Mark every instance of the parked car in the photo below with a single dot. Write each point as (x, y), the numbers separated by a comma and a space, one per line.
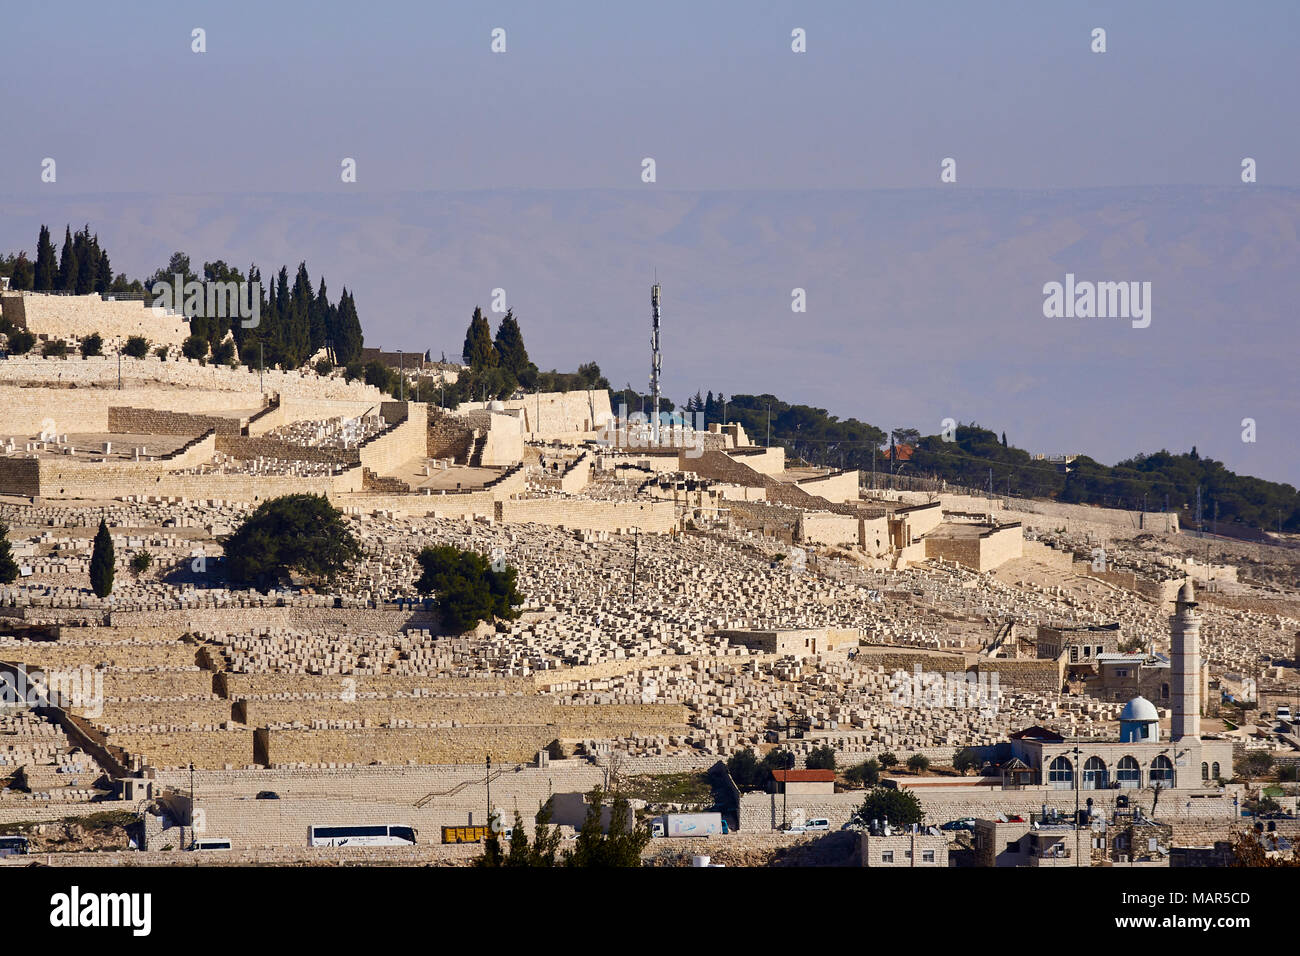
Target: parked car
(267, 795)
(965, 823)
(819, 825)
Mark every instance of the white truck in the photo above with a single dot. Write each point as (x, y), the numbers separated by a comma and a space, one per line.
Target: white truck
(688, 825)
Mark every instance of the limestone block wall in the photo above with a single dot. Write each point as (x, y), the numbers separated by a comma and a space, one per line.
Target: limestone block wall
(762, 811)
(840, 486)
(1001, 545)
(71, 410)
(399, 444)
(209, 749)
(824, 527)
(1031, 676)
(460, 505)
(153, 421)
(504, 442)
(20, 476)
(533, 709)
(68, 477)
(510, 743)
(101, 372)
(254, 686)
(654, 517)
(577, 476)
(765, 461)
(62, 316)
(557, 414)
(247, 449)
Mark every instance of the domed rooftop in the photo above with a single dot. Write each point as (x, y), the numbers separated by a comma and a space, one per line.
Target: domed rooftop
(1140, 709)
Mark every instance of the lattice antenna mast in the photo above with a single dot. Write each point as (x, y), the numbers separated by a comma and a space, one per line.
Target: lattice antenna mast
(655, 359)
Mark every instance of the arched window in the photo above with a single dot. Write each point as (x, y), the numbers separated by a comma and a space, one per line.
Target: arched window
(1205, 771)
(1162, 772)
(1060, 774)
(1214, 771)
(1129, 774)
(1094, 774)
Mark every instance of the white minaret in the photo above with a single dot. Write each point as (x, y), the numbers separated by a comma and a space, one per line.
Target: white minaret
(1186, 653)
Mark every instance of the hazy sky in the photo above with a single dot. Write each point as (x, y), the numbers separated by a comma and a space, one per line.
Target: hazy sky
(774, 170)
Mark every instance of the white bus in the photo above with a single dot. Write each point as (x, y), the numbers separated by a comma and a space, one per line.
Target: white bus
(211, 844)
(368, 835)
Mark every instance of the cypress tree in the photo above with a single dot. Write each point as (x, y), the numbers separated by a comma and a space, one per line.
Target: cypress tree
(67, 281)
(87, 261)
(104, 273)
(320, 319)
(479, 352)
(511, 354)
(102, 562)
(47, 269)
(8, 567)
(347, 331)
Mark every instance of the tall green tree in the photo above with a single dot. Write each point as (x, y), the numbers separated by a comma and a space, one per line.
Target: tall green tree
(47, 268)
(67, 281)
(23, 276)
(102, 562)
(479, 352)
(8, 567)
(511, 353)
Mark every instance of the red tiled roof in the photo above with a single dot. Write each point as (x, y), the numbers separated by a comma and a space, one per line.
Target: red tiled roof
(803, 776)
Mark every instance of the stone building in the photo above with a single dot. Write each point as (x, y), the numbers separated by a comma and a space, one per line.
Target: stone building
(1140, 759)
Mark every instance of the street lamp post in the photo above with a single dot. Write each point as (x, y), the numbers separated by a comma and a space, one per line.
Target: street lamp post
(401, 376)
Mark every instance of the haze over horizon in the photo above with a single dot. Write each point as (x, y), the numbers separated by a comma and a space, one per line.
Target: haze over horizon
(775, 171)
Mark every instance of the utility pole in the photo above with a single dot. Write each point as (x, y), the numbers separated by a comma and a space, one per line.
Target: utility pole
(261, 364)
(401, 376)
(1077, 782)
(636, 553)
(769, 424)
(119, 366)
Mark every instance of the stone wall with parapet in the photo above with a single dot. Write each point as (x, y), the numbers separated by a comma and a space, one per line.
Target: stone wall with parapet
(559, 414)
(101, 372)
(70, 477)
(839, 486)
(655, 517)
(68, 316)
(399, 443)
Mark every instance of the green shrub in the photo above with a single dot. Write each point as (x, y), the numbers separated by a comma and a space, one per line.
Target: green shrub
(161, 351)
(54, 348)
(195, 347)
(141, 562)
(92, 344)
(137, 346)
(21, 342)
